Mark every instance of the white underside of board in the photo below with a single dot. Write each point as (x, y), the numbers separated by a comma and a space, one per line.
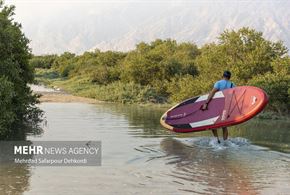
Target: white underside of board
(218, 94)
(206, 122)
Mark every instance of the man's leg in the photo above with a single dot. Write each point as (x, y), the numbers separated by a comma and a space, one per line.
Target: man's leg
(225, 133)
(215, 133)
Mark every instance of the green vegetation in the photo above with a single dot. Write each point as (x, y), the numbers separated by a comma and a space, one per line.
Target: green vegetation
(165, 71)
(17, 104)
(42, 61)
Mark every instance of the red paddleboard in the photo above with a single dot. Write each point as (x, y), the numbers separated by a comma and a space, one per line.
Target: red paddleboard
(228, 107)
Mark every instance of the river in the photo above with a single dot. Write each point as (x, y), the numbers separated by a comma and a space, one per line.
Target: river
(141, 157)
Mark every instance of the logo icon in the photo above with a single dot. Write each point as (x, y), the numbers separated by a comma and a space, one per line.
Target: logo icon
(254, 99)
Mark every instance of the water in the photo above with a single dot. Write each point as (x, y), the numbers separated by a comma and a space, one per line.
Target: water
(140, 157)
(42, 89)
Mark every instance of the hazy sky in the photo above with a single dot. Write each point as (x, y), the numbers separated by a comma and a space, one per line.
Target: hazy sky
(55, 26)
(27, 8)
(70, 22)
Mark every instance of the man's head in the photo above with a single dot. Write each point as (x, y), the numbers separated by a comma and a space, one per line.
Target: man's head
(227, 74)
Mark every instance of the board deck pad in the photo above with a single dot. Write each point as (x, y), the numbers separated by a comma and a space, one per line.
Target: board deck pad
(227, 107)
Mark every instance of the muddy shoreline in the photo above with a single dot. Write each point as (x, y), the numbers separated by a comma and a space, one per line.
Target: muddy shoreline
(64, 98)
(61, 96)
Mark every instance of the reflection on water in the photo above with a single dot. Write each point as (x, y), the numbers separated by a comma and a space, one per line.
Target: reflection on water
(141, 157)
(274, 134)
(214, 172)
(14, 180)
(234, 167)
(143, 120)
(21, 132)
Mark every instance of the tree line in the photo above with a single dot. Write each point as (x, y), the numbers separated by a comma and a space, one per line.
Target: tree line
(17, 103)
(167, 71)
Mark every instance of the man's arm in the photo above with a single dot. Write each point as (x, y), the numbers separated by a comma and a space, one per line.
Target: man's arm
(210, 96)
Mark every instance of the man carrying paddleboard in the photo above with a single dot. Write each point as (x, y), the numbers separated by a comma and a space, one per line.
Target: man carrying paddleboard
(220, 85)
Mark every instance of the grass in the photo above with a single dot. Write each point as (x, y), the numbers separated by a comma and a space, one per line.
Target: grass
(46, 76)
(113, 92)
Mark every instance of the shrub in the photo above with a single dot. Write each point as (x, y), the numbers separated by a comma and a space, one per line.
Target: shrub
(277, 87)
(42, 61)
(7, 116)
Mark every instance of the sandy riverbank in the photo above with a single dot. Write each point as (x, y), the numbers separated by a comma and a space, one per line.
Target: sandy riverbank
(65, 98)
(52, 95)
